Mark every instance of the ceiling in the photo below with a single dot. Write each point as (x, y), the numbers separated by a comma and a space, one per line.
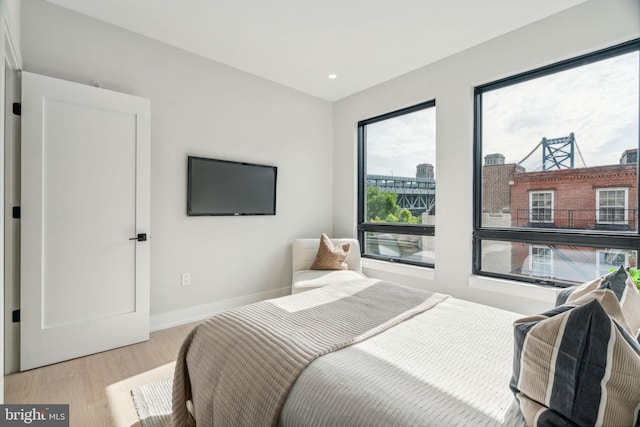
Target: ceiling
(298, 43)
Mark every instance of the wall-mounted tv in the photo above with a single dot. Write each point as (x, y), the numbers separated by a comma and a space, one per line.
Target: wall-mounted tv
(222, 187)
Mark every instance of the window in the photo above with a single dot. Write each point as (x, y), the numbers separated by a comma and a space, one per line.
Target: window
(612, 206)
(541, 206)
(397, 185)
(556, 170)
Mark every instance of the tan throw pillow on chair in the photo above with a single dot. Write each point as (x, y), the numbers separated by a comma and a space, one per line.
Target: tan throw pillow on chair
(331, 257)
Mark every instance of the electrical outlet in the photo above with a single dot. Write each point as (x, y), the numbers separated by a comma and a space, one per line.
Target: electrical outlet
(186, 279)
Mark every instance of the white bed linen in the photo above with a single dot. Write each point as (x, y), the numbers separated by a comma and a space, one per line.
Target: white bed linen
(449, 366)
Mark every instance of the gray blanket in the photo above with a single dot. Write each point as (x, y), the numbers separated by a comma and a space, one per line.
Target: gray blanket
(238, 367)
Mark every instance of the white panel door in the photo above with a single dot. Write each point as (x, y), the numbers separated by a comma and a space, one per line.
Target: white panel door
(85, 194)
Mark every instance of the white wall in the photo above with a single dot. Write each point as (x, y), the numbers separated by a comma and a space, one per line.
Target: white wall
(587, 27)
(200, 107)
(204, 108)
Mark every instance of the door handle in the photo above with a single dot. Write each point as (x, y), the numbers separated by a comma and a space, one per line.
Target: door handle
(141, 237)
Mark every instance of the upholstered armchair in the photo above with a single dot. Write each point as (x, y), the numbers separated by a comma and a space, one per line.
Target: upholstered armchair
(304, 255)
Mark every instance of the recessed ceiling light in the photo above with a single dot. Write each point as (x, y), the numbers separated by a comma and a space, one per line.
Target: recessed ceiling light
(333, 76)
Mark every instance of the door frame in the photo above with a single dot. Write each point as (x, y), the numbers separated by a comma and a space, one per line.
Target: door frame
(11, 63)
(11, 226)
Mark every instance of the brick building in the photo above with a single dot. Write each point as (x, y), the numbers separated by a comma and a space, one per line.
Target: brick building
(497, 178)
(600, 197)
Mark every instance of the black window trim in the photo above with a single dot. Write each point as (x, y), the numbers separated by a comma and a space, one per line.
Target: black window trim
(585, 238)
(363, 227)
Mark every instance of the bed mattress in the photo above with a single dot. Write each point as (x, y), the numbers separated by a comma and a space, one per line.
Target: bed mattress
(448, 366)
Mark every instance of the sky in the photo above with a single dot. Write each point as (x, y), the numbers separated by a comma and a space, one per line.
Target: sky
(597, 102)
(396, 146)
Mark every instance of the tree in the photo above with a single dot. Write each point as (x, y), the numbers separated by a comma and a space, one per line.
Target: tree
(382, 206)
(405, 217)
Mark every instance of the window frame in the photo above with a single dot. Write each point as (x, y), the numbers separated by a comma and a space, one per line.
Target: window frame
(364, 227)
(541, 221)
(540, 236)
(625, 220)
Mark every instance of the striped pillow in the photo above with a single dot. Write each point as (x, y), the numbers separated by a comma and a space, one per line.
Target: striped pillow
(577, 366)
(621, 284)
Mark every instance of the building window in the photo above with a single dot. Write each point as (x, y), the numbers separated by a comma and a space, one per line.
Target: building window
(556, 169)
(541, 206)
(541, 261)
(397, 185)
(612, 206)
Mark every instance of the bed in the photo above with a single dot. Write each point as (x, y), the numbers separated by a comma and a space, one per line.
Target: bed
(360, 353)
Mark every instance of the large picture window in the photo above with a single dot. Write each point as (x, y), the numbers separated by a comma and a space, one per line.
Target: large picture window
(556, 170)
(397, 185)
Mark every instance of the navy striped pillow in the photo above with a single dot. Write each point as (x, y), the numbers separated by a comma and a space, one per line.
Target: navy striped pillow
(577, 366)
(623, 287)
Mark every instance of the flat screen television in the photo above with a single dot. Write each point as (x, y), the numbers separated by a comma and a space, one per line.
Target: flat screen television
(222, 187)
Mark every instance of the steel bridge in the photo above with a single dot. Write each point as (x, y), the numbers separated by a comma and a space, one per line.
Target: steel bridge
(557, 153)
(418, 195)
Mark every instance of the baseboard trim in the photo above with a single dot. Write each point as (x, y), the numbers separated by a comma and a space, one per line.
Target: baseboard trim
(201, 312)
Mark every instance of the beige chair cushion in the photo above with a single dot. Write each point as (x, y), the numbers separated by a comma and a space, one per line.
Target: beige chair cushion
(305, 280)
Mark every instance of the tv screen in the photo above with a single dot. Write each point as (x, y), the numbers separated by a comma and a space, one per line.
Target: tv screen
(221, 187)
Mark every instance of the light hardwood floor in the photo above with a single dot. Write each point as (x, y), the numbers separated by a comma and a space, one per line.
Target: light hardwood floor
(98, 387)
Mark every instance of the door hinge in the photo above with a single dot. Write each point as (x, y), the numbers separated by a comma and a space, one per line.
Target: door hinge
(15, 316)
(15, 212)
(17, 108)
